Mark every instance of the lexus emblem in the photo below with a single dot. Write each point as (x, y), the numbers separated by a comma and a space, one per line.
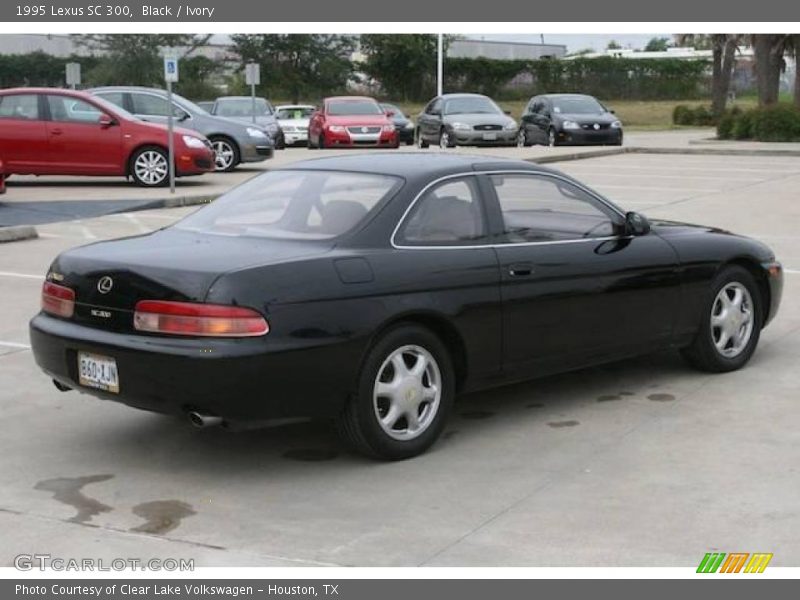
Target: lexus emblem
(105, 284)
(597, 126)
(364, 130)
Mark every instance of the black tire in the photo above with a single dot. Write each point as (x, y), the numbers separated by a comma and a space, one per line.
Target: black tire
(141, 178)
(410, 142)
(358, 424)
(421, 141)
(451, 143)
(280, 143)
(703, 353)
(525, 141)
(235, 157)
(321, 141)
(309, 145)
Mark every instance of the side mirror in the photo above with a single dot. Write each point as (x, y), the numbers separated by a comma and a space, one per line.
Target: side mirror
(180, 114)
(105, 121)
(390, 113)
(506, 112)
(636, 224)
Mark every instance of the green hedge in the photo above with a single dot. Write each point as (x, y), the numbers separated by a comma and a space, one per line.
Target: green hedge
(39, 69)
(699, 116)
(606, 77)
(778, 123)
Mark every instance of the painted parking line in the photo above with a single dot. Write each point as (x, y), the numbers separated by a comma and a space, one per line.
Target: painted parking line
(20, 275)
(16, 345)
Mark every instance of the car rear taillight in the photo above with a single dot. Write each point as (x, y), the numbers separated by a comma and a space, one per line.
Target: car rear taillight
(58, 300)
(187, 318)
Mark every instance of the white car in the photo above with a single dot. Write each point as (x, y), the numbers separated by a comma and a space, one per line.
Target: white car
(293, 119)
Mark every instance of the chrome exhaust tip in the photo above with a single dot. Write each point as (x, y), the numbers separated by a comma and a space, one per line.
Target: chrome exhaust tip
(201, 420)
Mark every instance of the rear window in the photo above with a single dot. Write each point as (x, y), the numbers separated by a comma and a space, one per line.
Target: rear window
(302, 205)
(241, 107)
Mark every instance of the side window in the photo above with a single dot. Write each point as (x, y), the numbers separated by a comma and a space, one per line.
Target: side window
(147, 104)
(19, 106)
(538, 107)
(117, 98)
(544, 209)
(64, 108)
(449, 214)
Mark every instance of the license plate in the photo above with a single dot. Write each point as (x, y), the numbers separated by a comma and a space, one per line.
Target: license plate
(489, 136)
(99, 372)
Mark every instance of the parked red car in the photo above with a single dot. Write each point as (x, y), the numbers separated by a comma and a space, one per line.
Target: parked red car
(47, 131)
(351, 121)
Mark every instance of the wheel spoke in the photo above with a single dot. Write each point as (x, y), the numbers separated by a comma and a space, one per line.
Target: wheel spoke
(418, 370)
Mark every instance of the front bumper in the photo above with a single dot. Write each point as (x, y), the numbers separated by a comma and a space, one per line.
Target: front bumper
(256, 152)
(237, 379)
(500, 137)
(405, 134)
(581, 137)
(295, 137)
(774, 277)
(192, 161)
(384, 139)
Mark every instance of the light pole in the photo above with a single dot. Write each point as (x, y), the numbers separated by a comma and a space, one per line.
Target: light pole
(440, 65)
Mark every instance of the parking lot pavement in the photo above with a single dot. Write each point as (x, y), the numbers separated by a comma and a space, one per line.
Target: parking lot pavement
(639, 463)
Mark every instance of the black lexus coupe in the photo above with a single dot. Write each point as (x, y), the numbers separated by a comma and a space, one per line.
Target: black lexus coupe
(373, 290)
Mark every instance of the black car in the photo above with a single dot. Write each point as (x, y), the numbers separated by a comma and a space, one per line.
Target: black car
(372, 290)
(403, 125)
(568, 119)
(464, 120)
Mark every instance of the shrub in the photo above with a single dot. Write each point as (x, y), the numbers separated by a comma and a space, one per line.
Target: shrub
(682, 115)
(779, 123)
(700, 116)
(743, 126)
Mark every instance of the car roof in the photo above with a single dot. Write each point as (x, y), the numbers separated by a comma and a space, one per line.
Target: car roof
(463, 95)
(280, 106)
(565, 96)
(238, 98)
(412, 165)
(45, 90)
(139, 88)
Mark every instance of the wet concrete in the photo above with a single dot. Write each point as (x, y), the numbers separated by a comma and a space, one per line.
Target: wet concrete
(161, 516)
(68, 490)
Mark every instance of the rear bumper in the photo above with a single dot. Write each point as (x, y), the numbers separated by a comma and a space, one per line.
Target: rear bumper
(237, 379)
(579, 137)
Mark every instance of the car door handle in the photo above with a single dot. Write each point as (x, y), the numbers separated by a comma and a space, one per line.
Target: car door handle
(56, 131)
(520, 269)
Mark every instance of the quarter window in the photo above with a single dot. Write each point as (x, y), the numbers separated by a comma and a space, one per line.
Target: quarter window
(19, 106)
(449, 214)
(544, 209)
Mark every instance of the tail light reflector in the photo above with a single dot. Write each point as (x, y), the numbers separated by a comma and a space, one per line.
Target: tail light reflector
(58, 300)
(187, 318)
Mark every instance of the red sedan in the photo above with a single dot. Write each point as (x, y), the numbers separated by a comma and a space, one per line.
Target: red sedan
(47, 131)
(351, 121)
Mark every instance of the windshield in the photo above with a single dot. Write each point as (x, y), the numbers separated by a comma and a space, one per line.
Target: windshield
(577, 105)
(188, 105)
(470, 105)
(300, 205)
(241, 107)
(294, 112)
(353, 107)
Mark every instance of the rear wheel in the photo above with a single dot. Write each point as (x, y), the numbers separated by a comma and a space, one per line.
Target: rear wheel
(321, 141)
(730, 324)
(404, 394)
(150, 167)
(226, 153)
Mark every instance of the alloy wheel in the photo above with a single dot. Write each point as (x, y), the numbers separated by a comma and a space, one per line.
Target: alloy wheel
(151, 167)
(732, 319)
(224, 155)
(444, 140)
(407, 392)
(521, 139)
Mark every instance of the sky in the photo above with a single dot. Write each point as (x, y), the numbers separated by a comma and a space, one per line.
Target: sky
(579, 41)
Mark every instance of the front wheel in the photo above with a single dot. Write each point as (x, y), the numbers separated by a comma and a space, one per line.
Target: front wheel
(730, 324)
(226, 154)
(445, 140)
(404, 394)
(522, 139)
(150, 167)
(552, 138)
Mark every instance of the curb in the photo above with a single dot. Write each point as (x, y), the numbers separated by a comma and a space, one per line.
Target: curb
(542, 160)
(17, 233)
(718, 151)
